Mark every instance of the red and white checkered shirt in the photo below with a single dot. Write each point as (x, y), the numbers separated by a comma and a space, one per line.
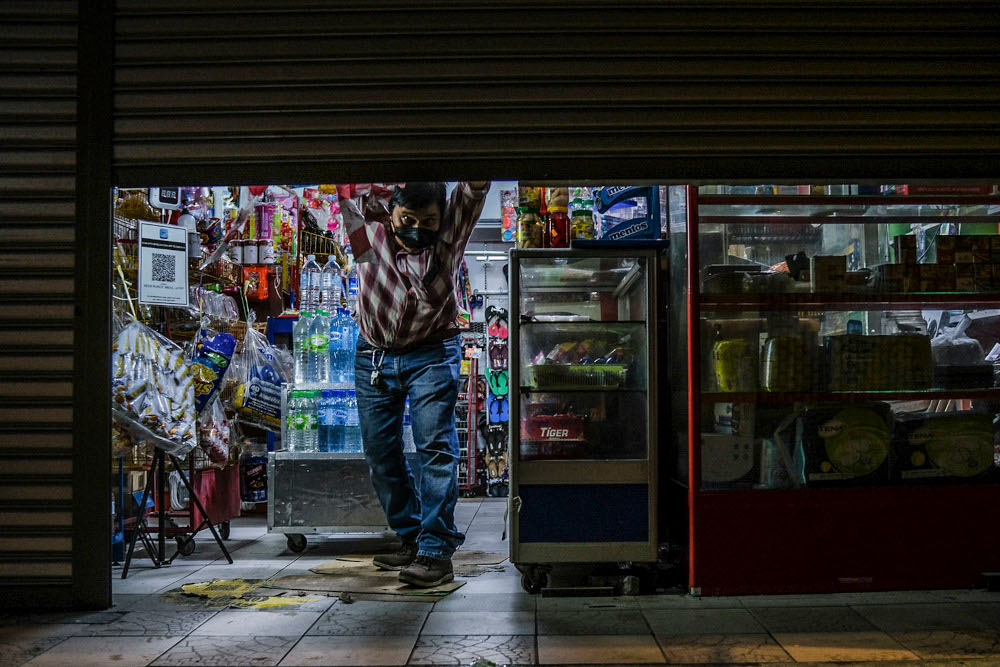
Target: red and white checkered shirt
(395, 308)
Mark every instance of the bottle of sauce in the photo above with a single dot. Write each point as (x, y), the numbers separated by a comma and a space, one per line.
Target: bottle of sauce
(558, 227)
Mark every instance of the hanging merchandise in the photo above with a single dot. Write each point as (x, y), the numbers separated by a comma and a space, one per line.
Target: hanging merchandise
(214, 433)
(508, 215)
(497, 404)
(258, 396)
(255, 281)
(152, 389)
(213, 353)
(253, 471)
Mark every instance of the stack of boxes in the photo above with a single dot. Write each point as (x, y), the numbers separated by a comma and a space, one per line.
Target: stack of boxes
(964, 264)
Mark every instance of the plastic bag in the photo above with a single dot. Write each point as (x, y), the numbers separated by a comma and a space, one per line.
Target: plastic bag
(152, 389)
(214, 434)
(954, 348)
(213, 353)
(258, 396)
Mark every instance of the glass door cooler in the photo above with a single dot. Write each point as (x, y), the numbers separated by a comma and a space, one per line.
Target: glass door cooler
(582, 408)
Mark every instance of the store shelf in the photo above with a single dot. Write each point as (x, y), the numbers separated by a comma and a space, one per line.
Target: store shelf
(848, 396)
(848, 302)
(581, 390)
(584, 322)
(839, 219)
(848, 200)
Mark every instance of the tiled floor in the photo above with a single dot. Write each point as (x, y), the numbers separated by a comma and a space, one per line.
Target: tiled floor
(490, 619)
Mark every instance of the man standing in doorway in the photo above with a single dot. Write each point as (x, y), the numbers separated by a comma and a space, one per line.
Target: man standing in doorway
(409, 347)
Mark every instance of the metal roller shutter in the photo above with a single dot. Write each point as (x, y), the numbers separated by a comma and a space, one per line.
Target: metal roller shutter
(37, 264)
(299, 90)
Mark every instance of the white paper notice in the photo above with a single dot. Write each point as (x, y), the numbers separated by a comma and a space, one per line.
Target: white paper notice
(163, 265)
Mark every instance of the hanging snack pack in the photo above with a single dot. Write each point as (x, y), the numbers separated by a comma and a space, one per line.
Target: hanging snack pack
(214, 433)
(258, 395)
(213, 354)
(152, 389)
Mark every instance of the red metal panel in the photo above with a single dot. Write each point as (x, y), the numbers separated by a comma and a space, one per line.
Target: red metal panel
(694, 380)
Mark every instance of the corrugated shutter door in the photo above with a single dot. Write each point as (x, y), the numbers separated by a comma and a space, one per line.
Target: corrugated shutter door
(37, 224)
(250, 89)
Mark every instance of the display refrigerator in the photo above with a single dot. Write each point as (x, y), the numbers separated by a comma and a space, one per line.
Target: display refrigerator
(583, 407)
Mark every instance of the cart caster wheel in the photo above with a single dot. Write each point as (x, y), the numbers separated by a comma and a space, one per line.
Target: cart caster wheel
(224, 530)
(297, 543)
(185, 546)
(534, 582)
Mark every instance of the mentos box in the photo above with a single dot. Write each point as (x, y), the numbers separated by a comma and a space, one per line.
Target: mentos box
(628, 212)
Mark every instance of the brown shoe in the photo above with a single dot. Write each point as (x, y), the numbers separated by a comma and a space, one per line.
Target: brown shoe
(427, 572)
(403, 558)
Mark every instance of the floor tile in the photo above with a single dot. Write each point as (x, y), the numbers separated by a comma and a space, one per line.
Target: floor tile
(149, 580)
(61, 618)
(966, 595)
(888, 597)
(309, 602)
(687, 602)
(791, 601)
(592, 622)
(150, 623)
(598, 649)
(336, 651)
(101, 651)
(812, 619)
(666, 622)
(177, 601)
(921, 617)
(468, 649)
(36, 631)
(480, 623)
(228, 572)
(574, 603)
(364, 618)
(459, 601)
(280, 624)
(492, 583)
(843, 647)
(227, 651)
(722, 649)
(947, 645)
(124, 601)
(20, 643)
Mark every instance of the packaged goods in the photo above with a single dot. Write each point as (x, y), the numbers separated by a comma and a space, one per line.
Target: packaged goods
(212, 357)
(152, 389)
(895, 278)
(788, 364)
(944, 447)
(981, 249)
(530, 228)
(553, 436)
(529, 197)
(984, 278)
(905, 246)
(557, 226)
(995, 249)
(582, 223)
(945, 245)
(557, 198)
(843, 445)
(214, 433)
(963, 250)
(628, 212)
(735, 363)
(258, 396)
(728, 461)
(253, 472)
(878, 363)
(937, 277)
(827, 273)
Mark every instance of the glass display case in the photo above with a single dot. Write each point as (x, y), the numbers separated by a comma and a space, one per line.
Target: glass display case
(839, 372)
(583, 402)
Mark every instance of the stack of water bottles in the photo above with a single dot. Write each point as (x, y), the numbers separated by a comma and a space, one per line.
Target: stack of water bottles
(323, 341)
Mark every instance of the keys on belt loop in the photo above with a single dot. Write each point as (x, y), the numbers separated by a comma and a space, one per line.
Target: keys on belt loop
(377, 380)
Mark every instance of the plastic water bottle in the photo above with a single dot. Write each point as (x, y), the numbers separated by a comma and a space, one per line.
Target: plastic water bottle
(310, 438)
(408, 443)
(352, 429)
(352, 289)
(300, 347)
(324, 412)
(319, 348)
(339, 420)
(309, 282)
(329, 286)
(336, 346)
(296, 422)
(349, 339)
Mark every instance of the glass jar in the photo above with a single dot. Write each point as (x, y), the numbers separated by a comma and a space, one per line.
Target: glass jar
(583, 224)
(558, 227)
(530, 228)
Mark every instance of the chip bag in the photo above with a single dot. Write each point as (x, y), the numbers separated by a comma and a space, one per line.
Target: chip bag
(213, 353)
(258, 395)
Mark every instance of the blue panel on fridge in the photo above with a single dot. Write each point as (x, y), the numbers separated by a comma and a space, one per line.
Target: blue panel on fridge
(584, 513)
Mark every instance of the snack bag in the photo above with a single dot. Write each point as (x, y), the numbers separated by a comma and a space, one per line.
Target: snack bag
(214, 433)
(152, 389)
(258, 396)
(212, 358)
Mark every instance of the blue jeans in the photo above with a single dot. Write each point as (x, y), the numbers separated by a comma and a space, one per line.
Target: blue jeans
(429, 375)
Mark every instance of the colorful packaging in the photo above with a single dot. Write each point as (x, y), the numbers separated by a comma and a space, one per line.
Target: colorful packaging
(628, 212)
(944, 447)
(213, 354)
(843, 445)
(258, 396)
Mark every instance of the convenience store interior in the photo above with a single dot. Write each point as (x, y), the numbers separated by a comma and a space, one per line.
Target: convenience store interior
(842, 366)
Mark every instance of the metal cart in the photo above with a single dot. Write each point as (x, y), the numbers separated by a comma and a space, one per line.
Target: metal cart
(583, 408)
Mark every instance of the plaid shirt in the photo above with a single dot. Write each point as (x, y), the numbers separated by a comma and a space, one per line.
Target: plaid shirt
(395, 308)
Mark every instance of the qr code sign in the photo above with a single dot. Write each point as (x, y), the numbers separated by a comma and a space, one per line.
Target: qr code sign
(164, 268)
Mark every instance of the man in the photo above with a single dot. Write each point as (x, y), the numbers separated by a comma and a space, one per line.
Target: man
(409, 347)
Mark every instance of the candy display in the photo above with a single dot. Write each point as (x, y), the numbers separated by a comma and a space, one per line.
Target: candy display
(153, 388)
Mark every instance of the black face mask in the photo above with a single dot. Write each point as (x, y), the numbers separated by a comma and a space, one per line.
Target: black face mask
(416, 238)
